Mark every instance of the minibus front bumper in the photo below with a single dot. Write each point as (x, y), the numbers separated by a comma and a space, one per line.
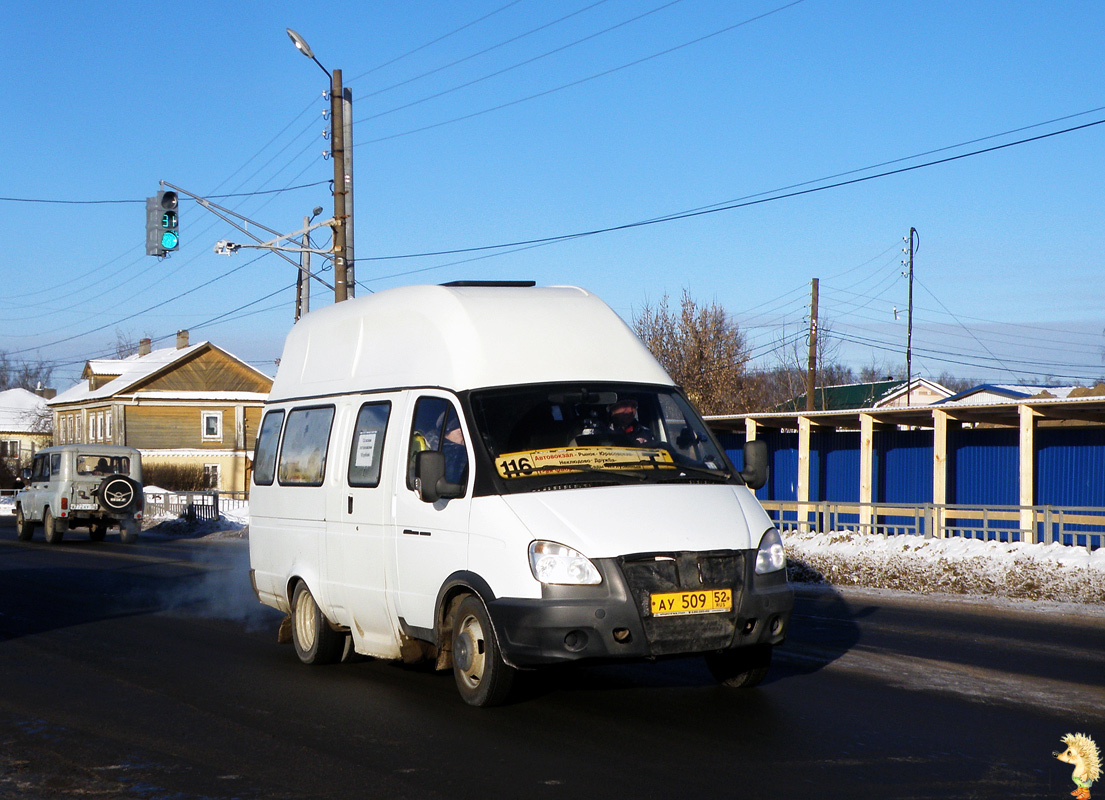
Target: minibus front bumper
(614, 619)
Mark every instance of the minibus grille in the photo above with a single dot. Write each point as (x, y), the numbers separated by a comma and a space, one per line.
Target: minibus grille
(660, 573)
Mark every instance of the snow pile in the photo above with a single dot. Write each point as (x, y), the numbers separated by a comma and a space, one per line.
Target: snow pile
(950, 566)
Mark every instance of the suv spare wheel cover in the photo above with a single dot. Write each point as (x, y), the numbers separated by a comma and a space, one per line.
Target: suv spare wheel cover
(117, 493)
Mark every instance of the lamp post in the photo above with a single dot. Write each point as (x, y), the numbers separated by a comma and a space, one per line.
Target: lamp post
(303, 284)
(343, 171)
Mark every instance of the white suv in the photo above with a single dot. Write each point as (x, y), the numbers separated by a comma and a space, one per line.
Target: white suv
(74, 485)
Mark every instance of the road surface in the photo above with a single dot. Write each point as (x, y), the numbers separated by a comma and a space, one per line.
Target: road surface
(150, 671)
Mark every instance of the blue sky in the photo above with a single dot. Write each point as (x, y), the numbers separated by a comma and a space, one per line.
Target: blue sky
(491, 122)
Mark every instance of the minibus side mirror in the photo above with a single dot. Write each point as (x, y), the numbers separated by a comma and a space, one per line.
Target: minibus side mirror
(755, 469)
(429, 477)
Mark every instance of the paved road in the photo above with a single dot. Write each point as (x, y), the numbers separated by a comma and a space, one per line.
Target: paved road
(149, 671)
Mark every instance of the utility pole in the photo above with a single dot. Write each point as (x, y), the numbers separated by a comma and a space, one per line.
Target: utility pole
(347, 150)
(909, 325)
(341, 138)
(811, 373)
(337, 154)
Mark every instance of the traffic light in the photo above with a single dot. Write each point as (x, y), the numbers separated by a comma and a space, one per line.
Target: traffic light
(162, 235)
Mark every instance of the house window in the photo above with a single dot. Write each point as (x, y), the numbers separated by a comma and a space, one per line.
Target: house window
(107, 425)
(100, 426)
(9, 448)
(211, 476)
(212, 426)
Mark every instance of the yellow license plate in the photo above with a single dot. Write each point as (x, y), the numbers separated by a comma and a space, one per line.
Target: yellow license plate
(707, 601)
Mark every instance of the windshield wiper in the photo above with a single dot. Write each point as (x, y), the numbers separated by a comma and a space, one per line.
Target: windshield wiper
(717, 474)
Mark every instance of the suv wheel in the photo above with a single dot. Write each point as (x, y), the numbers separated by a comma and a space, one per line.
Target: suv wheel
(50, 527)
(24, 528)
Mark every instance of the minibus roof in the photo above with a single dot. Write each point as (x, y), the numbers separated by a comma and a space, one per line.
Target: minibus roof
(461, 337)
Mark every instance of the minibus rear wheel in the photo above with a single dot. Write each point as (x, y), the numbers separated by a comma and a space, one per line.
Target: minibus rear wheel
(315, 641)
(483, 678)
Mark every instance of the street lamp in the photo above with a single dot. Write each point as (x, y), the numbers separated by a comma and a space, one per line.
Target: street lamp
(341, 131)
(303, 282)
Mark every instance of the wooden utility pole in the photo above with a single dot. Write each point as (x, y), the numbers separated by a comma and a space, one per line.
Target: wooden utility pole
(337, 155)
(811, 374)
(909, 325)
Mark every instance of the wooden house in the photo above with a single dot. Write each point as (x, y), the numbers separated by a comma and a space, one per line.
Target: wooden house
(193, 405)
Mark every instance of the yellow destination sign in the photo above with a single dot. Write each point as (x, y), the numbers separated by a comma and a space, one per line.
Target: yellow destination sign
(572, 459)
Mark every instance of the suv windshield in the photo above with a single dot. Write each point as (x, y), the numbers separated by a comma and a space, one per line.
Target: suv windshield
(567, 434)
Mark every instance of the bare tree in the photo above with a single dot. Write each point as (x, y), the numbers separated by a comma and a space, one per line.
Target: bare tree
(125, 343)
(23, 374)
(703, 350)
(787, 381)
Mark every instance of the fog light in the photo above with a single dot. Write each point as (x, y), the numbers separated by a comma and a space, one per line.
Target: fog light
(575, 641)
(776, 625)
(749, 626)
(622, 635)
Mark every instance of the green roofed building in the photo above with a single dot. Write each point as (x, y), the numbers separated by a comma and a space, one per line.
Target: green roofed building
(880, 394)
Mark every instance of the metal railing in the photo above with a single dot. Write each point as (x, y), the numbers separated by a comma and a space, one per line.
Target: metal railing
(192, 506)
(1080, 527)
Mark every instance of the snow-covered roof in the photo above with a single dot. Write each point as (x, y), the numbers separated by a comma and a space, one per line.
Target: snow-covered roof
(19, 409)
(988, 393)
(135, 369)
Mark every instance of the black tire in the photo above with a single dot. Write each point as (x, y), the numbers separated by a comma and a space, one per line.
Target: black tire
(97, 531)
(24, 528)
(50, 527)
(741, 668)
(483, 678)
(118, 493)
(315, 641)
(129, 529)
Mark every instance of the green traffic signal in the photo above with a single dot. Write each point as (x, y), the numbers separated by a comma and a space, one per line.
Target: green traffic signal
(162, 234)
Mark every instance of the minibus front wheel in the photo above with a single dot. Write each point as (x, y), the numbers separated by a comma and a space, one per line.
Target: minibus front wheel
(315, 641)
(742, 667)
(483, 678)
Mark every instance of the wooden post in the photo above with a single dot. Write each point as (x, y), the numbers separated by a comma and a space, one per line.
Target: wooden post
(1027, 443)
(866, 471)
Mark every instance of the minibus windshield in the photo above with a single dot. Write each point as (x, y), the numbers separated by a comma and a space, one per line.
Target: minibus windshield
(558, 434)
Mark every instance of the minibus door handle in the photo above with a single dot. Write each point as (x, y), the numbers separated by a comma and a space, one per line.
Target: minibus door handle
(349, 504)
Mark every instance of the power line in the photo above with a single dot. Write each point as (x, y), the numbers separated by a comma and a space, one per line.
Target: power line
(523, 63)
(480, 53)
(578, 82)
(438, 39)
(740, 203)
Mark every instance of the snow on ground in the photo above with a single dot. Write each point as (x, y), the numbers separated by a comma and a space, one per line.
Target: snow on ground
(948, 566)
(955, 566)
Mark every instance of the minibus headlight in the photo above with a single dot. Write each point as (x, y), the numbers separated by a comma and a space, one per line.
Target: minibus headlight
(556, 563)
(770, 557)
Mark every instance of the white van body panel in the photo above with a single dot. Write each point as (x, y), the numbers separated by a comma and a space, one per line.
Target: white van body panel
(619, 520)
(390, 569)
(460, 338)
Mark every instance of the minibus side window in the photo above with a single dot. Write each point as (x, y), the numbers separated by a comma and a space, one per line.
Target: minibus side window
(306, 439)
(368, 444)
(437, 427)
(264, 453)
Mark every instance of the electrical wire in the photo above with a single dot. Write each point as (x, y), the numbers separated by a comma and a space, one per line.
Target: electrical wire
(481, 52)
(574, 83)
